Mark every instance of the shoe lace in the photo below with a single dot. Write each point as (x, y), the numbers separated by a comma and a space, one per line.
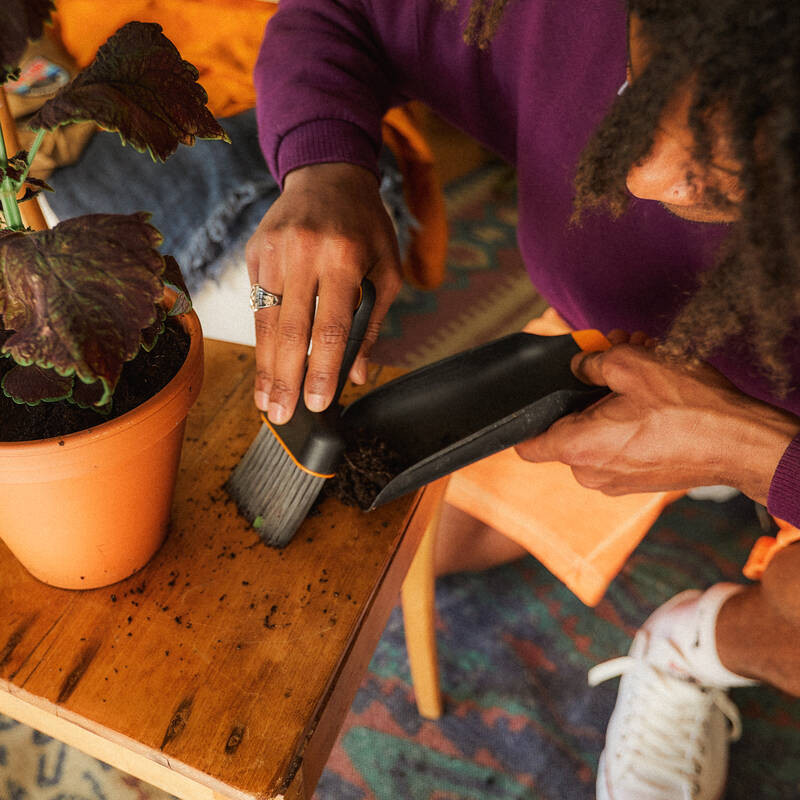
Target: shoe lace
(665, 725)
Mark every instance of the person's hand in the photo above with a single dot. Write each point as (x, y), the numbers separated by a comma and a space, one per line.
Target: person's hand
(665, 426)
(326, 231)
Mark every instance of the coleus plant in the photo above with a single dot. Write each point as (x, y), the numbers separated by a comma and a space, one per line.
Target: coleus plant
(81, 299)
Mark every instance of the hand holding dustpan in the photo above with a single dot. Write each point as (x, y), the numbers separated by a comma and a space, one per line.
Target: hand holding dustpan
(446, 415)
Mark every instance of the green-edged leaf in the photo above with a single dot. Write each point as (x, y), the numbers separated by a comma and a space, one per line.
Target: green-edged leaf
(20, 20)
(78, 296)
(150, 334)
(139, 86)
(173, 279)
(88, 395)
(32, 385)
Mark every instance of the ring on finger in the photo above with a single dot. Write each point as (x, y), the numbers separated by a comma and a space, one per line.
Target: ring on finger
(261, 298)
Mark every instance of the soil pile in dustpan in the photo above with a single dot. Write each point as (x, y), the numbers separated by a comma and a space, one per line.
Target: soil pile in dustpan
(367, 465)
(141, 378)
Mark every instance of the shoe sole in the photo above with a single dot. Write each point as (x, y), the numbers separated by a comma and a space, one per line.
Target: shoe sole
(602, 791)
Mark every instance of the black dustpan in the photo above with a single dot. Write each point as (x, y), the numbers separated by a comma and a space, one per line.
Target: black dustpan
(444, 416)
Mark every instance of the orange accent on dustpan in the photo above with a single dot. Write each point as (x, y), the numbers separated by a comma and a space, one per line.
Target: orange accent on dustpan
(591, 341)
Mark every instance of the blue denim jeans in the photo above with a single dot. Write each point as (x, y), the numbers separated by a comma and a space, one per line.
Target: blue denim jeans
(206, 200)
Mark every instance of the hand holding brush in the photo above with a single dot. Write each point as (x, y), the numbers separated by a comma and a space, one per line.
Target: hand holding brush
(282, 473)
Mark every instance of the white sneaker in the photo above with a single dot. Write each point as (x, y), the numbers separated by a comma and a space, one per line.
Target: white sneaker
(668, 736)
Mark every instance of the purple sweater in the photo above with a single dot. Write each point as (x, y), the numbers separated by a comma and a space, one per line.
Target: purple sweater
(329, 70)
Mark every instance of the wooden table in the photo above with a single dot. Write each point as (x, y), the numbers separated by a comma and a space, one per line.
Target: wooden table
(224, 668)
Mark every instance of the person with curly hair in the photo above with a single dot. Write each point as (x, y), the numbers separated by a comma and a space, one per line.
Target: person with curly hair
(657, 149)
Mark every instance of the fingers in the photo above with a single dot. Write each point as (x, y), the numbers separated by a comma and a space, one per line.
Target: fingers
(262, 269)
(282, 332)
(288, 343)
(539, 449)
(588, 367)
(338, 297)
(642, 339)
(595, 368)
(619, 336)
(386, 278)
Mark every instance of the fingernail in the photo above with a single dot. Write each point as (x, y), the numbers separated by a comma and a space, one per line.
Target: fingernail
(316, 402)
(262, 401)
(277, 414)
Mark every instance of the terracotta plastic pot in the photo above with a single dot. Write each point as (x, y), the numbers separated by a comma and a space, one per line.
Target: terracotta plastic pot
(91, 508)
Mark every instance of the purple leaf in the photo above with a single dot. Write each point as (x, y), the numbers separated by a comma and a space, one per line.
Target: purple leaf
(20, 20)
(152, 332)
(31, 385)
(139, 86)
(86, 395)
(78, 296)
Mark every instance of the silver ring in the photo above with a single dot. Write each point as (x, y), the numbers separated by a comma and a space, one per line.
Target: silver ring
(261, 298)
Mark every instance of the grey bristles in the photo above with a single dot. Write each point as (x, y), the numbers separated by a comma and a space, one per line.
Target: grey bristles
(272, 493)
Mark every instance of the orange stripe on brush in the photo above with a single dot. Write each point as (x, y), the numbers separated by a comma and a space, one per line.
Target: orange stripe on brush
(289, 452)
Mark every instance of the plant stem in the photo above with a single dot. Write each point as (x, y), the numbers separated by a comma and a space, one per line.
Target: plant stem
(32, 154)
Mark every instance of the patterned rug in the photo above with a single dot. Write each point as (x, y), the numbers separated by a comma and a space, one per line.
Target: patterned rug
(514, 648)
(514, 644)
(486, 292)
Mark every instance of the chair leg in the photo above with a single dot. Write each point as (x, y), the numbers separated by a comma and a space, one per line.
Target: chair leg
(418, 603)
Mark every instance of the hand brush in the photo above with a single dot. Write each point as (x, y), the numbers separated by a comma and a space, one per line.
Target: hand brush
(282, 473)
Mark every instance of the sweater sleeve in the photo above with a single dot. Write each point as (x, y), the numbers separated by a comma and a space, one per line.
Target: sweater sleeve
(323, 83)
(783, 500)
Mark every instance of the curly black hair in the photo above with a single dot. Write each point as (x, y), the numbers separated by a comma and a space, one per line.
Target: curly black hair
(743, 59)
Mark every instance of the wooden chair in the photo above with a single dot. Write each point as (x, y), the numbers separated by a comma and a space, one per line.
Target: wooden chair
(419, 612)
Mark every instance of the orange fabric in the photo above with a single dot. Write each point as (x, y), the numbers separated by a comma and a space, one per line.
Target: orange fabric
(425, 262)
(766, 547)
(582, 536)
(222, 39)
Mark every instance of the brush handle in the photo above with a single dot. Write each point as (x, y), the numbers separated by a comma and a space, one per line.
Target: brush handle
(358, 329)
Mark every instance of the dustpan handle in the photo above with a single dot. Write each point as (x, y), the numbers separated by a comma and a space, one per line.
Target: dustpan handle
(358, 329)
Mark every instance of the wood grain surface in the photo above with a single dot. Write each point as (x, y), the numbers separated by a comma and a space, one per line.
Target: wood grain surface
(224, 668)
